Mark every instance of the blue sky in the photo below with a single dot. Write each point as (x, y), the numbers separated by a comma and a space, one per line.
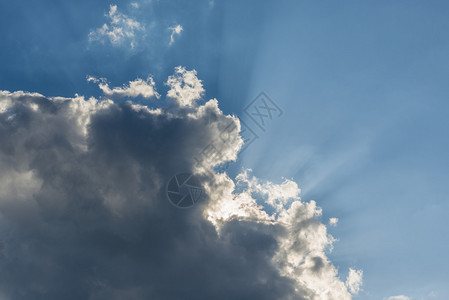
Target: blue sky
(363, 86)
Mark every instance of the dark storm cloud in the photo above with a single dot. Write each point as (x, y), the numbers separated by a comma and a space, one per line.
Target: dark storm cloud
(84, 215)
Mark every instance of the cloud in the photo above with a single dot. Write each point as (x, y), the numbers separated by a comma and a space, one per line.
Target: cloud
(176, 30)
(84, 212)
(119, 29)
(185, 87)
(354, 280)
(138, 87)
(333, 221)
(399, 297)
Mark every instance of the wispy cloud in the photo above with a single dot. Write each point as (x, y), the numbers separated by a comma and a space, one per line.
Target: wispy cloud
(176, 30)
(119, 29)
(333, 221)
(354, 280)
(399, 297)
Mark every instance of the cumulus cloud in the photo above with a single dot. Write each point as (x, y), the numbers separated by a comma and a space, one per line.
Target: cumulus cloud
(119, 29)
(176, 30)
(185, 87)
(138, 87)
(84, 212)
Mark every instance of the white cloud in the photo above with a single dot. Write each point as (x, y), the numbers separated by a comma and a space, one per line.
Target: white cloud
(119, 29)
(176, 30)
(399, 297)
(185, 87)
(354, 280)
(333, 221)
(138, 87)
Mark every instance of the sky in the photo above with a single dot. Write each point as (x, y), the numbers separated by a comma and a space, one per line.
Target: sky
(117, 99)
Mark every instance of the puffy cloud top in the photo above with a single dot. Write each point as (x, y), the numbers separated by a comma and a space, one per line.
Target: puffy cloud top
(135, 88)
(185, 87)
